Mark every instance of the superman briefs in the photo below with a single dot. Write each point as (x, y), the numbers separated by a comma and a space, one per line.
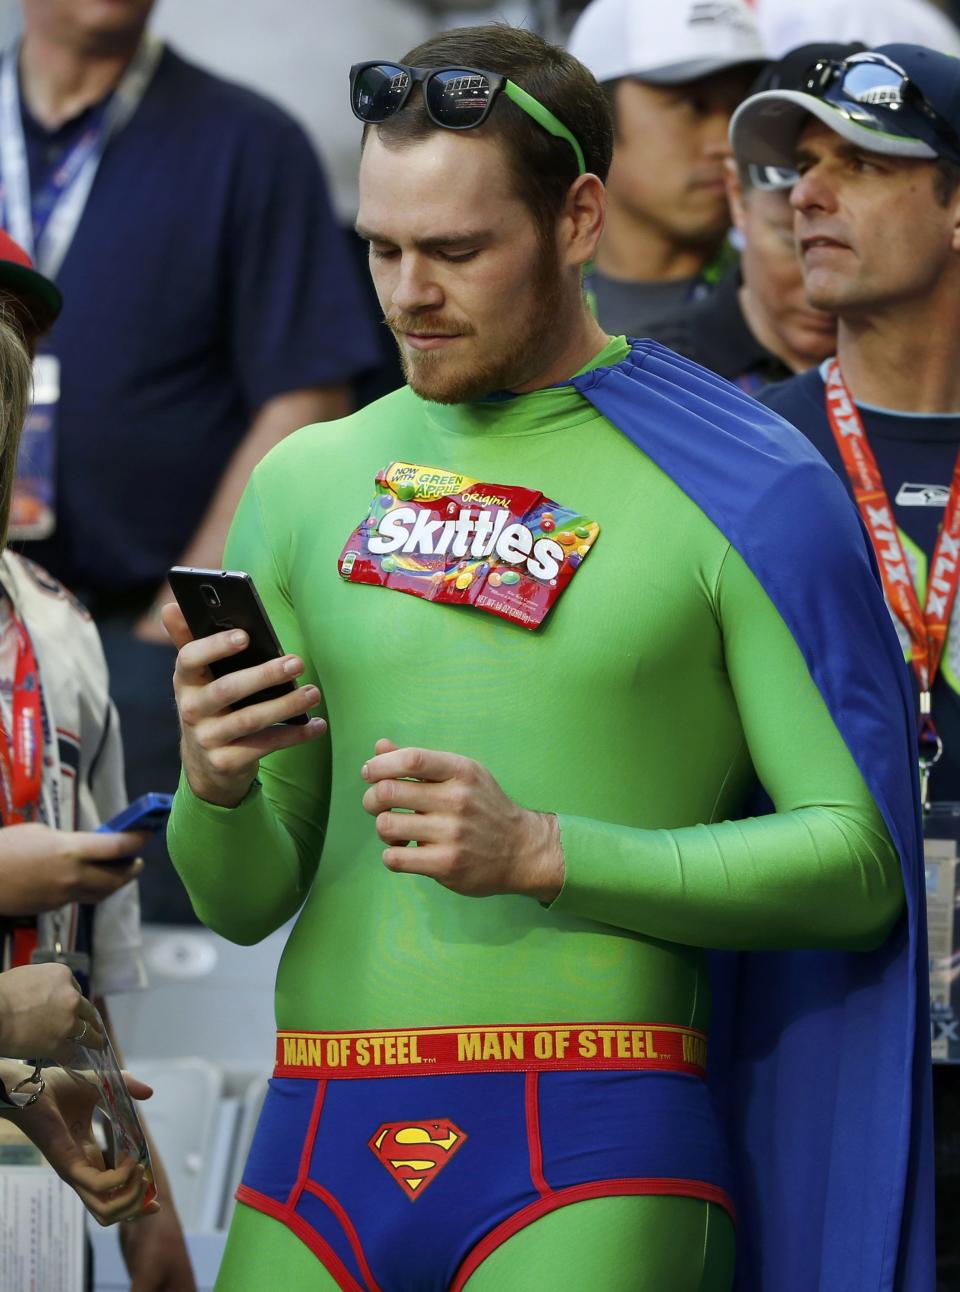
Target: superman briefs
(412, 1181)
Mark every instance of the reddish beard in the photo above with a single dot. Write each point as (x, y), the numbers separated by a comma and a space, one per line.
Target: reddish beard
(491, 362)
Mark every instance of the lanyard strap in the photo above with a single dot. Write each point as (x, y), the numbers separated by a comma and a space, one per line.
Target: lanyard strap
(21, 750)
(45, 227)
(927, 627)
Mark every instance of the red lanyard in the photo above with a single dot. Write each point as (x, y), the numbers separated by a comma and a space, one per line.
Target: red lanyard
(928, 626)
(21, 753)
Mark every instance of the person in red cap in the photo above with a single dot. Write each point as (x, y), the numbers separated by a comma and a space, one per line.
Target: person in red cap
(43, 1010)
(29, 299)
(68, 921)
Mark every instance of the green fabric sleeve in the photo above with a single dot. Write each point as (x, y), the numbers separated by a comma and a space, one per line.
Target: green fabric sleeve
(819, 872)
(248, 869)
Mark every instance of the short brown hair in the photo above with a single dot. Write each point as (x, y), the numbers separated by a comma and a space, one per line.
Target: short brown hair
(14, 397)
(544, 167)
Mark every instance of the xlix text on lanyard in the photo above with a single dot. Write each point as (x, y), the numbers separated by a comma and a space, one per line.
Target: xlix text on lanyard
(928, 626)
(21, 748)
(45, 227)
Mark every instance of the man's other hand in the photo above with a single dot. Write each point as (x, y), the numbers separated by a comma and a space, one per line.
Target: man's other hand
(470, 836)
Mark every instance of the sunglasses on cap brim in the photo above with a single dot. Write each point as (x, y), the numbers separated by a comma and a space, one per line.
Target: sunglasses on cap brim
(875, 93)
(456, 98)
(771, 179)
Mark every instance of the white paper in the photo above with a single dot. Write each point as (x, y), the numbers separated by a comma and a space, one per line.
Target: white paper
(940, 858)
(41, 1232)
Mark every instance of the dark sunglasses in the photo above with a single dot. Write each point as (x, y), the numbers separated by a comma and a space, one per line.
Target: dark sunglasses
(456, 98)
(866, 82)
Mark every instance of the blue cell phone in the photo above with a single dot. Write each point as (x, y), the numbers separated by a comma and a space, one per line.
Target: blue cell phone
(148, 812)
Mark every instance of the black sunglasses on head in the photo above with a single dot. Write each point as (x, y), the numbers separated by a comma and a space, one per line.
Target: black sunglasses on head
(456, 98)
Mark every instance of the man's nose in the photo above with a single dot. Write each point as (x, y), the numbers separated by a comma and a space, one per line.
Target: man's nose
(416, 287)
(812, 191)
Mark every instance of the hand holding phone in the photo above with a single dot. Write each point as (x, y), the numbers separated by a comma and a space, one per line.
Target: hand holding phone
(44, 867)
(251, 707)
(216, 601)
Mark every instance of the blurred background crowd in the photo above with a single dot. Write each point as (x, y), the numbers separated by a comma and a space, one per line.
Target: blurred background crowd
(211, 297)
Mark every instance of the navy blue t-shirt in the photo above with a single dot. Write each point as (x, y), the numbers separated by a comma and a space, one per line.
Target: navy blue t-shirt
(207, 275)
(916, 455)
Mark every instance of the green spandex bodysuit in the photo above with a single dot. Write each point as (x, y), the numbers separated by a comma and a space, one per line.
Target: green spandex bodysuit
(662, 683)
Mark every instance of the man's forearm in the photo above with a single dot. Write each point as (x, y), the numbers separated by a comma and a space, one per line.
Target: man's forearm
(815, 877)
(239, 865)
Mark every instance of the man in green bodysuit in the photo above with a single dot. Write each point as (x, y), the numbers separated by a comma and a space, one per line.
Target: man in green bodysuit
(578, 694)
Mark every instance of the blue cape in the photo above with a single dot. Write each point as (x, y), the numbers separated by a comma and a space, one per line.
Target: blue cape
(820, 1060)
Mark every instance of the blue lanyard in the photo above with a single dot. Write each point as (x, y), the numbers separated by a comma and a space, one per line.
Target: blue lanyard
(45, 224)
(44, 199)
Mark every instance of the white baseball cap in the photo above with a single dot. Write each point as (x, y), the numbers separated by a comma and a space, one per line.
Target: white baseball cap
(785, 24)
(665, 43)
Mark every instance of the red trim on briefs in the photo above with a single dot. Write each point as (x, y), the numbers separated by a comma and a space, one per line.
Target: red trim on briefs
(324, 1253)
(581, 1193)
(532, 1103)
(353, 1238)
(308, 1143)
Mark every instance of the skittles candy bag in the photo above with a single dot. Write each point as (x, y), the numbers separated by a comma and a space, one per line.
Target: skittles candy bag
(446, 537)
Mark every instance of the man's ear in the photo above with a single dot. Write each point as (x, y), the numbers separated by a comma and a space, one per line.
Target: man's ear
(955, 212)
(735, 196)
(581, 221)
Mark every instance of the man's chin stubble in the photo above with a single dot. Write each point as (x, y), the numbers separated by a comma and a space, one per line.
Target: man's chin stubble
(433, 378)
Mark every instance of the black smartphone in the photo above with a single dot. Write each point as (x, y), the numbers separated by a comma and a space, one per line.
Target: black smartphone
(214, 601)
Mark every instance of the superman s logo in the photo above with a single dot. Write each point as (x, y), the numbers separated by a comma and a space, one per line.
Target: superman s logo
(416, 1152)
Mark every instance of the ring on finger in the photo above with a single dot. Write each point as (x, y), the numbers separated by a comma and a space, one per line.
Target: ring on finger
(81, 1034)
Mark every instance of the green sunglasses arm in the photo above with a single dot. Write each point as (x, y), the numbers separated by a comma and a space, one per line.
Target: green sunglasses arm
(545, 118)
